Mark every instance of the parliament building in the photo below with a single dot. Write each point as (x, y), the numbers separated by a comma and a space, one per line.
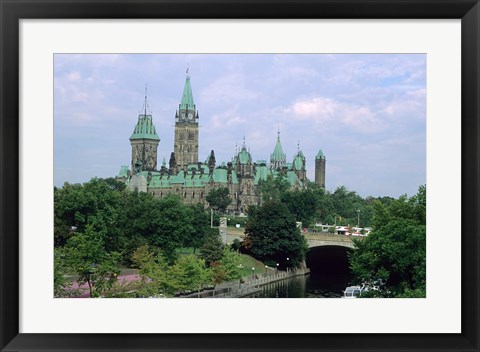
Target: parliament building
(192, 179)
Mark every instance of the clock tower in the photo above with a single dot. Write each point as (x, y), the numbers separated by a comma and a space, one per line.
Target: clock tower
(186, 129)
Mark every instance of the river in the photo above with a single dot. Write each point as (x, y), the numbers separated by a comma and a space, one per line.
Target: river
(314, 285)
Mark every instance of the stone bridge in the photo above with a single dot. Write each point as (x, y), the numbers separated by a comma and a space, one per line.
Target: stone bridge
(313, 239)
(323, 239)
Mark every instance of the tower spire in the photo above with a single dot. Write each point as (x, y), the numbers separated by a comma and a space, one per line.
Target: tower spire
(145, 99)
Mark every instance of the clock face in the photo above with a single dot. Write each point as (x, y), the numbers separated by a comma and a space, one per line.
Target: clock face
(190, 116)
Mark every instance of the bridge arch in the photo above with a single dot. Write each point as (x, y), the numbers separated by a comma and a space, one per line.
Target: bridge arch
(328, 259)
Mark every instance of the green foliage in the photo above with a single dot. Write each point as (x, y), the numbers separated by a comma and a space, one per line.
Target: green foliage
(303, 205)
(230, 264)
(235, 246)
(187, 273)
(273, 187)
(212, 249)
(201, 227)
(274, 235)
(219, 199)
(77, 206)
(85, 255)
(395, 251)
(61, 281)
(191, 272)
(172, 225)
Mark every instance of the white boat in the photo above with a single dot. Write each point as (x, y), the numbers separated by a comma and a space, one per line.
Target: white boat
(353, 291)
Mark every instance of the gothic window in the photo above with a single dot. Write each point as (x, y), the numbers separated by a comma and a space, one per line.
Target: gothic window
(184, 194)
(190, 136)
(201, 194)
(193, 195)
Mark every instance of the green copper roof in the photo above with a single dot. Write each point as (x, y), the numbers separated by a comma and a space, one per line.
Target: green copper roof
(292, 178)
(187, 97)
(298, 162)
(220, 175)
(145, 128)
(320, 155)
(123, 171)
(278, 154)
(261, 173)
(244, 156)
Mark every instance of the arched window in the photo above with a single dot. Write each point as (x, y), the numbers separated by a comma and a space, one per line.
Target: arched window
(184, 194)
(193, 195)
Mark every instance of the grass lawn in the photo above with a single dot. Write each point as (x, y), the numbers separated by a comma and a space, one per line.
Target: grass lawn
(249, 262)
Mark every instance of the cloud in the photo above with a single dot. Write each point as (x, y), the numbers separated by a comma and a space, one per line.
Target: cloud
(227, 89)
(229, 118)
(329, 112)
(74, 76)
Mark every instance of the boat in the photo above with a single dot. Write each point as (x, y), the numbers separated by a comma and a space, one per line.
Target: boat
(354, 291)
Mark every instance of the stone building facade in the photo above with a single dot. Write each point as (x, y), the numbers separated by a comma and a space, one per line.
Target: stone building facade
(192, 179)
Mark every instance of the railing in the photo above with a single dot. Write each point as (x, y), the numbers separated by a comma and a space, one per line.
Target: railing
(250, 285)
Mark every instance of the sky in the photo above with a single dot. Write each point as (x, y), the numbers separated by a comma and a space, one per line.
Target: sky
(366, 112)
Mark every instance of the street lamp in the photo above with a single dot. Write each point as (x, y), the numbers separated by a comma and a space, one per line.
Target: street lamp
(277, 267)
(288, 263)
(266, 267)
(253, 272)
(358, 217)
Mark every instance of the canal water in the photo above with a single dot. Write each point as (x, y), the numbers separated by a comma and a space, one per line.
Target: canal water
(314, 285)
(330, 275)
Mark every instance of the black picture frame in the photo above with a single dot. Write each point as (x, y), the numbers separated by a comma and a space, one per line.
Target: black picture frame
(12, 11)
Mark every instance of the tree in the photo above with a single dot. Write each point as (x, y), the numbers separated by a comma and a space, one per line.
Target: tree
(95, 202)
(302, 204)
(219, 199)
(62, 284)
(231, 264)
(85, 255)
(273, 235)
(212, 249)
(273, 187)
(171, 226)
(191, 272)
(187, 273)
(395, 251)
(201, 229)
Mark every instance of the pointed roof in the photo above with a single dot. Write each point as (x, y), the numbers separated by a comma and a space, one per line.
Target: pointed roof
(187, 96)
(244, 156)
(145, 129)
(320, 155)
(278, 154)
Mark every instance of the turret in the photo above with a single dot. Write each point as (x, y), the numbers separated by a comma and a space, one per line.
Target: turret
(278, 157)
(320, 164)
(186, 128)
(211, 162)
(172, 164)
(144, 141)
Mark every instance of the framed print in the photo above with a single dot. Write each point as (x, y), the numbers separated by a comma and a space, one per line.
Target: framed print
(379, 98)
